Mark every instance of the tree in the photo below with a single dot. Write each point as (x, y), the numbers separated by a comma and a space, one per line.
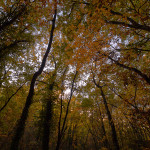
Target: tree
(21, 123)
(114, 134)
(14, 27)
(61, 130)
(100, 53)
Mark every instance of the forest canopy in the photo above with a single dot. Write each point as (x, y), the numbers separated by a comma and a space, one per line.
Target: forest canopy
(74, 75)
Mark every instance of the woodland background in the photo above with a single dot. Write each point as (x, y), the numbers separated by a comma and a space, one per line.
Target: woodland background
(74, 74)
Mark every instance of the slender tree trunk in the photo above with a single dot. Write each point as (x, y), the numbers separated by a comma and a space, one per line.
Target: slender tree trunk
(60, 116)
(21, 122)
(60, 133)
(111, 123)
(114, 134)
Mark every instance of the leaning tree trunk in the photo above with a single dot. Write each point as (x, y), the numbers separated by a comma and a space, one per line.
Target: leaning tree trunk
(111, 123)
(114, 134)
(21, 122)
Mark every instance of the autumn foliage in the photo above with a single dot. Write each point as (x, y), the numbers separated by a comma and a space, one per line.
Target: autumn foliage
(75, 75)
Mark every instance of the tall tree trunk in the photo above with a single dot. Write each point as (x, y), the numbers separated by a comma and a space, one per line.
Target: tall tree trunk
(111, 123)
(114, 134)
(61, 105)
(61, 132)
(21, 122)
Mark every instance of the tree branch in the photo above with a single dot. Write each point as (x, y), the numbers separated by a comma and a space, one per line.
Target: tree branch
(144, 76)
(11, 97)
(135, 26)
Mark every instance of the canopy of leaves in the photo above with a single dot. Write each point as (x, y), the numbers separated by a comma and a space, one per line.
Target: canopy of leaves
(96, 76)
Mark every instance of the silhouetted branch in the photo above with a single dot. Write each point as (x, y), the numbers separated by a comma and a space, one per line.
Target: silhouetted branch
(11, 97)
